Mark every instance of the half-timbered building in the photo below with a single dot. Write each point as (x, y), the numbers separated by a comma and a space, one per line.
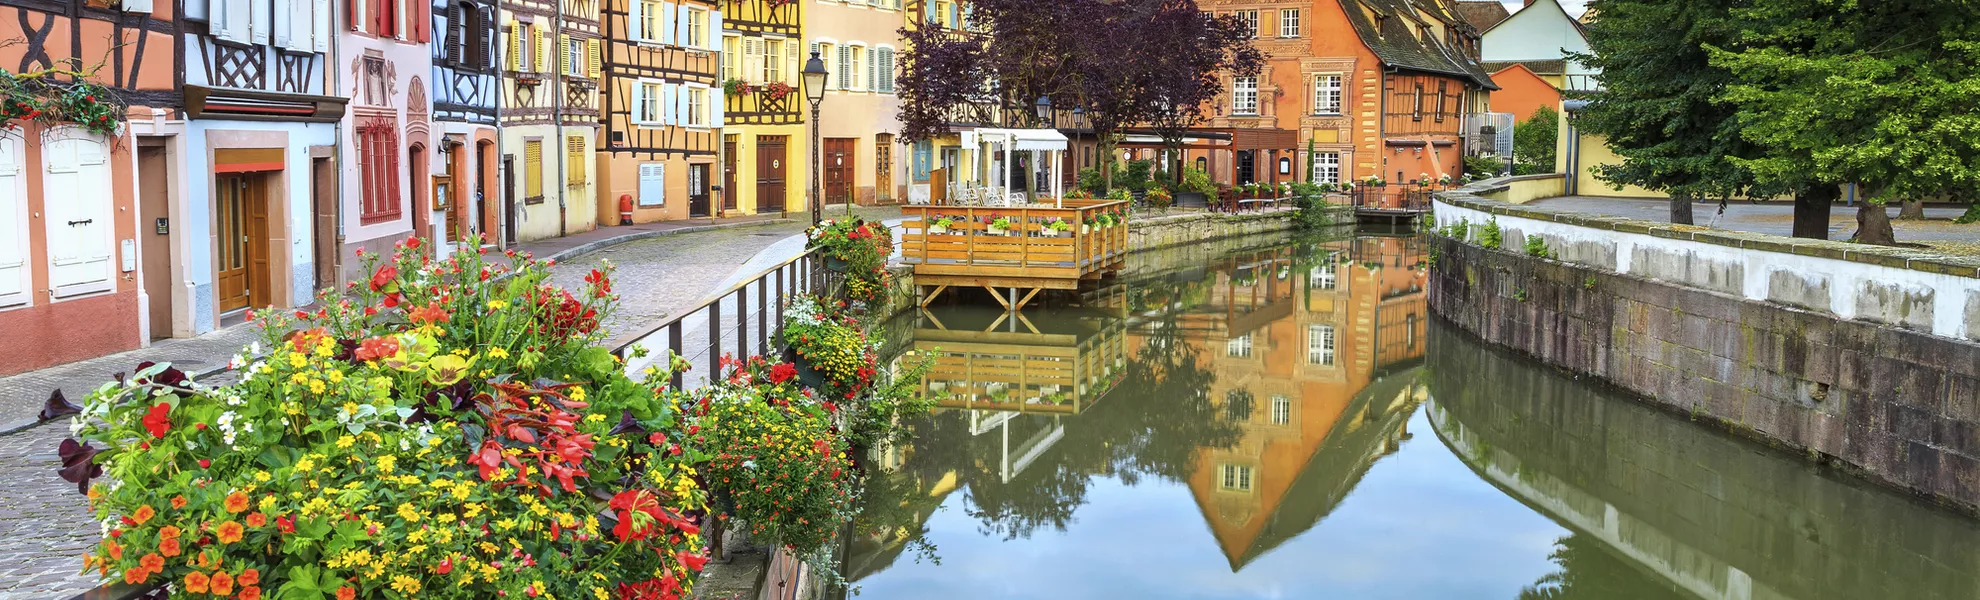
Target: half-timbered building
(857, 40)
(765, 147)
(464, 90)
(549, 115)
(73, 221)
(389, 143)
(261, 181)
(663, 111)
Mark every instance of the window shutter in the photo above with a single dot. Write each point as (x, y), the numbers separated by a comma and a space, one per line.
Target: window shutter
(666, 23)
(260, 21)
(634, 31)
(282, 19)
(422, 20)
(681, 35)
(717, 98)
(791, 48)
(351, 14)
(533, 169)
(597, 59)
(872, 69)
(76, 196)
(514, 49)
(15, 285)
(564, 53)
(637, 109)
(844, 74)
(714, 31)
(301, 26)
(319, 21)
(681, 92)
(575, 162)
(232, 20)
(136, 6)
(752, 60)
(452, 40)
(668, 93)
(653, 184)
(887, 70)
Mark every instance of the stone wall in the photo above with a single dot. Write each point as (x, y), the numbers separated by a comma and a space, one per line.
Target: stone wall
(1847, 353)
(1193, 227)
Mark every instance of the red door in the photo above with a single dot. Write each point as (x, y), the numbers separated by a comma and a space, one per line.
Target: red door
(839, 164)
(770, 167)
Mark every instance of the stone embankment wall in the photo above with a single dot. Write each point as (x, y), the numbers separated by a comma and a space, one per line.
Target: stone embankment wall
(1855, 354)
(1188, 228)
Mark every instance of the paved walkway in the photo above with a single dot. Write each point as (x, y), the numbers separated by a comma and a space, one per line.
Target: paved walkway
(1775, 218)
(44, 526)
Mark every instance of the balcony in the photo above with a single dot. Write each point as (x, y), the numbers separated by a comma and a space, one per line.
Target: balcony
(763, 105)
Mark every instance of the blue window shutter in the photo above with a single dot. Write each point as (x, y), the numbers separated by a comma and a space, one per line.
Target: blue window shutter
(653, 184)
(681, 34)
(666, 24)
(716, 100)
(668, 93)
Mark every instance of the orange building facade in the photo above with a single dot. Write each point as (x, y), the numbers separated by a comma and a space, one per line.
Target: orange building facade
(1522, 91)
(70, 285)
(1371, 87)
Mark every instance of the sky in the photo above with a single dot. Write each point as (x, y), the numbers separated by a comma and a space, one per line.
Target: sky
(1574, 7)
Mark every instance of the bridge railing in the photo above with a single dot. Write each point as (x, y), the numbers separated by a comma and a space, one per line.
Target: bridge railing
(1024, 244)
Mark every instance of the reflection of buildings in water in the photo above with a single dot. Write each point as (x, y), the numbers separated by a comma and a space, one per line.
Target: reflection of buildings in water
(1031, 361)
(1296, 344)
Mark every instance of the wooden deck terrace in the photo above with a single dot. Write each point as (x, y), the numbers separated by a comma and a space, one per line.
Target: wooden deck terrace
(1027, 255)
(1023, 372)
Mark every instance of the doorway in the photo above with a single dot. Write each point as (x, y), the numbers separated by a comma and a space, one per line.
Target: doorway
(484, 168)
(422, 205)
(155, 231)
(839, 163)
(770, 166)
(242, 260)
(698, 191)
(509, 201)
(323, 199)
(883, 168)
(1247, 171)
(729, 189)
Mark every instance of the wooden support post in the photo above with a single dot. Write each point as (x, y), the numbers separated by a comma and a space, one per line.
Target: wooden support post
(1027, 299)
(930, 297)
(999, 296)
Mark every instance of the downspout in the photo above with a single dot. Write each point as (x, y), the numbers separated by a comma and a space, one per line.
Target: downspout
(501, 187)
(557, 116)
(1573, 176)
(1382, 122)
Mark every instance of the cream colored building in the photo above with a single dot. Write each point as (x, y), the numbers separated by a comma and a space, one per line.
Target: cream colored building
(859, 41)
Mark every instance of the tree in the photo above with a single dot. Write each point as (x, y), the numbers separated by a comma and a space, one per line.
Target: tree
(1660, 108)
(1186, 54)
(1534, 140)
(1872, 92)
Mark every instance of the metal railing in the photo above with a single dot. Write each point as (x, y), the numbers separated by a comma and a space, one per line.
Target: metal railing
(1400, 197)
(721, 324)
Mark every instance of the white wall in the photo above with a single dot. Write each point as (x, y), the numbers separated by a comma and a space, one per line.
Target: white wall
(1537, 32)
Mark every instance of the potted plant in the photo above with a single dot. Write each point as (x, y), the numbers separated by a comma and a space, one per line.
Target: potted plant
(940, 225)
(1444, 180)
(1196, 189)
(859, 249)
(999, 225)
(1160, 198)
(1056, 228)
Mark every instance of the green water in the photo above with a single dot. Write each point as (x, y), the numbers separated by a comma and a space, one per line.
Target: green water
(1281, 418)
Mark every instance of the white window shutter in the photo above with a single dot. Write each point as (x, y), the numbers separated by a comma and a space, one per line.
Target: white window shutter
(791, 63)
(653, 184)
(716, 101)
(714, 31)
(872, 70)
(681, 105)
(77, 200)
(282, 18)
(15, 285)
(669, 92)
(667, 26)
(260, 21)
(639, 102)
(231, 20)
(320, 20)
(136, 6)
(844, 75)
(752, 60)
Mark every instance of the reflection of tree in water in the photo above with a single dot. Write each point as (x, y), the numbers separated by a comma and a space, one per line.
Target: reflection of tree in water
(1587, 571)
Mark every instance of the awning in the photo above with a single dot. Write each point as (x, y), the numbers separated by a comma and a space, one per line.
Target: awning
(1024, 139)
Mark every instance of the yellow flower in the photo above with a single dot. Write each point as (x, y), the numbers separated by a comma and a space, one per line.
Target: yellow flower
(388, 463)
(497, 353)
(497, 304)
(577, 393)
(261, 476)
(346, 442)
(296, 360)
(408, 512)
(404, 584)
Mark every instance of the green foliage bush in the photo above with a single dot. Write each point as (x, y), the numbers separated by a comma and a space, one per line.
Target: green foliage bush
(1490, 236)
(1534, 140)
(1484, 167)
(1197, 180)
(1536, 246)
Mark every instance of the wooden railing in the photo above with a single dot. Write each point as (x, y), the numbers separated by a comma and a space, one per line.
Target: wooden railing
(1028, 247)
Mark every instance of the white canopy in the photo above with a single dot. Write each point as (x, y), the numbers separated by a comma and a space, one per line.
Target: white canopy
(1041, 140)
(993, 147)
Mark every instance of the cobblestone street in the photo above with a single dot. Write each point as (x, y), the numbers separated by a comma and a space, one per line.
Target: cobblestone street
(44, 523)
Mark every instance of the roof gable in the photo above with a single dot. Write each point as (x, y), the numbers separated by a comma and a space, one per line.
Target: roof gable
(1482, 14)
(1394, 31)
(1539, 31)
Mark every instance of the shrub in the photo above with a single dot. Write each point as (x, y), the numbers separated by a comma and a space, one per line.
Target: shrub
(1536, 246)
(449, 430)
(1534, 140)
(1196, 180)
(1313, 206)
(774, 460)
(1089, 180)
(1490, 236)
(863, 248)
(1484, 167)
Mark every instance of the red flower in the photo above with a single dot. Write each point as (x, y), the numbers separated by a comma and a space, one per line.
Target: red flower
(285, 524)
(431, 313)
(383, 277)
(782, 372)
(378, 348)
(692, 561)
(155, 420)
(639, 514)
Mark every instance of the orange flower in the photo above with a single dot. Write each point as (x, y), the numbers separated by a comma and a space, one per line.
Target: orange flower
(256, 520)
(197, 582)
(250, 593)
(152, 562)
(229, 532)
(168, 532)
(168, 547)
(346, 593)
(178, 502)
(135, 575)
(223, 584)
(236, 502)
(248, 577)
(144, 513)
(115, 551)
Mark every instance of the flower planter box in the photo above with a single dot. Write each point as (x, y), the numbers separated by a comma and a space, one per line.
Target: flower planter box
(1051, 233)
(835, 264)
(999, 231)
(938, 230)
(806, 375)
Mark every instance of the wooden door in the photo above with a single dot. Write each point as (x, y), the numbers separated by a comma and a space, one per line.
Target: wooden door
(231, 260)
(883, 167)
(509, 201)
(457, 225)
(323, 197)
(729, 189)
(155, 233)
(770, 167)
(839, 163)
(255, 197)
(698, 190)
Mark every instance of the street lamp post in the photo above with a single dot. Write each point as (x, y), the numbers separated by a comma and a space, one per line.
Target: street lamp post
(814, 90)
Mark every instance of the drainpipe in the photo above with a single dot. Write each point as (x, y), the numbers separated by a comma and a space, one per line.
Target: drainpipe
(557, 116)
(501, 186)
(1573, 176)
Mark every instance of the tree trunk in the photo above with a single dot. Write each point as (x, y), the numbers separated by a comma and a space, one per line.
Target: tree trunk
(1873, 225)
(1680, 209)
(1811, 212)
(1106, 162)
(1912, 209)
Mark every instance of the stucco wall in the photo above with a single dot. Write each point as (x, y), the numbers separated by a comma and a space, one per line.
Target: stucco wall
(1524, 189)
(861, 114)
(1861, 355)
(1539, 31)
(579, 210)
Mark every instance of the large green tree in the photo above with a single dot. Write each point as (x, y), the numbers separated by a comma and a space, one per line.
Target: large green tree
(1662, 110)
(1879, 93)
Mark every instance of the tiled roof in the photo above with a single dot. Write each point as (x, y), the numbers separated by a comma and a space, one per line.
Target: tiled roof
(1390, 28)
(1539, 67)
(1482, 14)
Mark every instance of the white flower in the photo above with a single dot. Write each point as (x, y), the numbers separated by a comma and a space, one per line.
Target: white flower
(236, 362)
(254, 348)
(749, 464)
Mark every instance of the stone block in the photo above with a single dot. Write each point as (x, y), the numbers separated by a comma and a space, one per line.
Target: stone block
(1921, 466)
(1972, 318)
(1909, 307)
(1963, 398)
(1802, 290)
(1909, 423)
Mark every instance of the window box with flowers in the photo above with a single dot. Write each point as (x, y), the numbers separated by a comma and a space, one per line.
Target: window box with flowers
(858, 249)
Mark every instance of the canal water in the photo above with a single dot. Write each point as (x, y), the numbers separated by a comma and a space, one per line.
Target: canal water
(1280, 417)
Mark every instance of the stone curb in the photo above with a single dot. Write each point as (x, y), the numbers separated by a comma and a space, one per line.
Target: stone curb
(594, 246)
(1900, 258)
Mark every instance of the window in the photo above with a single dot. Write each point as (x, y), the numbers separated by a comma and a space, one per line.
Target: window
(653, 184)
(646, 103)
(697, 28)
(1250, 19)
(773, 61)
(1323, 276)
(1244, 96)
(855, 67)
(1442, 87)
(1326, 167)
(378, 156)
(883, 60)
(1417, 110)
(827, 54)
(1281, 410)
(1327, 94)
(1320, 345)
(840, 77)
(697, 107)
(1288, 22)
(1239, 346)
(575, 57)
(945, 11)
(467, 36)
(650, 21)
(533, 170)
(731, 57)
(574, 162)
(1236, 478)
(1237, 406)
